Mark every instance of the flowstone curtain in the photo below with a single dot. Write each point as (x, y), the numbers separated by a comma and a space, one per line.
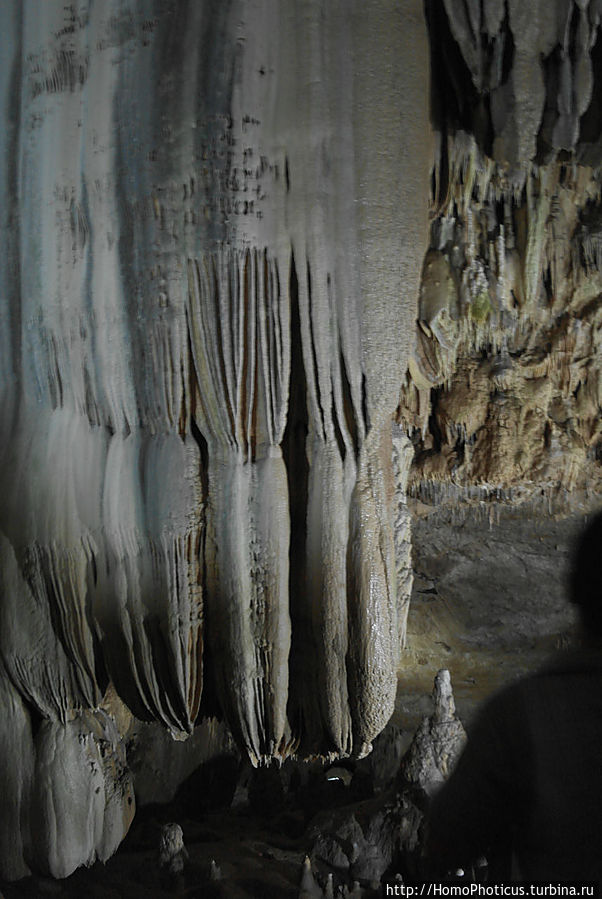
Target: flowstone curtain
(213, 220)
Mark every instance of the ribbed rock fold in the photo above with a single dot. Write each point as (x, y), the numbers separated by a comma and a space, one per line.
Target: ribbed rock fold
(206, 209)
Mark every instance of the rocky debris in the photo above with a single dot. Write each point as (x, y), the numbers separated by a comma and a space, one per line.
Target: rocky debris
(361, 842)
(241, 853)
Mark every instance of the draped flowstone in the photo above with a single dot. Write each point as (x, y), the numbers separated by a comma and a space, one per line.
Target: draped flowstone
(214, 217)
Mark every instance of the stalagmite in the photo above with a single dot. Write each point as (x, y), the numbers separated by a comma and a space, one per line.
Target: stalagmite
(309, 888)
(172, 851)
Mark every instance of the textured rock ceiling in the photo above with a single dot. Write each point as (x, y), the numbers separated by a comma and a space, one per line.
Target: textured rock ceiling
(267, 271)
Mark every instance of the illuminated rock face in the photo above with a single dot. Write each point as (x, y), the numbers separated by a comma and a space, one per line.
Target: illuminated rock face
(505, 389)
(505, 386)
(214, 218)
(215, 222)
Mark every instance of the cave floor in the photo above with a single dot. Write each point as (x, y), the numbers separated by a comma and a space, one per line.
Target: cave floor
(488, 602)
(260, 854)
(259, 857)
(255, 857)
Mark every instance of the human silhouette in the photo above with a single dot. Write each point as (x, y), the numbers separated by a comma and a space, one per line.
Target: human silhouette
(527, 790)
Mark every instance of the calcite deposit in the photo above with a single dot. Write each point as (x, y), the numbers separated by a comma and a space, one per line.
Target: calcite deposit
(504, 388)
(268, 268)
(214, 218)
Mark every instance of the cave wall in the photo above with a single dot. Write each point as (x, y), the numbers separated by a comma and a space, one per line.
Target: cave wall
(503, 395)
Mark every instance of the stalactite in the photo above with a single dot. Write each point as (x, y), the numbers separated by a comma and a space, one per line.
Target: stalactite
(506, 337)
(241, 346)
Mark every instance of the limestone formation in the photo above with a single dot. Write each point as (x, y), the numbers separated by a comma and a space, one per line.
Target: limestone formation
(215, 871)
(438, 741)
(309, 888)
(214, 219)
(67, 795)
(503, 392)
(230, 338)
(172, 851)
(361, 841)
(505, 383)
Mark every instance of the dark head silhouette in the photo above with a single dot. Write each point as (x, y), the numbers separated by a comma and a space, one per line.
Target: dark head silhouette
(525, 792)
(585, 576)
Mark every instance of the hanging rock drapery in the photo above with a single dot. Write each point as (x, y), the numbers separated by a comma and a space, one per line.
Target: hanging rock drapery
(239, 327)
(214, 218)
